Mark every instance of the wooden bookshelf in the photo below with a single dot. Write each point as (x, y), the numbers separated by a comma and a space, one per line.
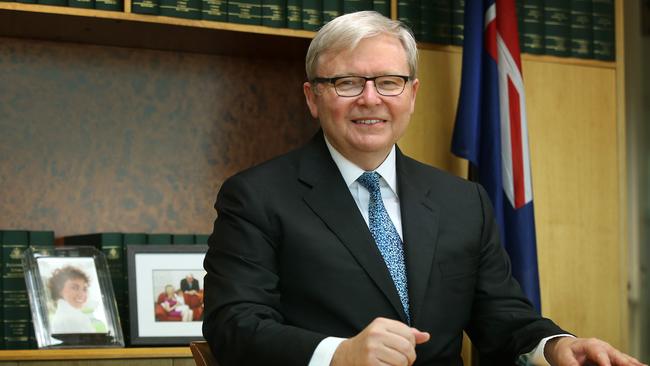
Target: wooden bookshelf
(95, 354)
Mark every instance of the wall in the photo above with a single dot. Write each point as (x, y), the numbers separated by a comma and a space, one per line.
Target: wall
(573, 132)
(116, 139)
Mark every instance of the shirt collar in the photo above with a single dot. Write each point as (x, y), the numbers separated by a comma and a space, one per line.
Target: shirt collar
(351, 171)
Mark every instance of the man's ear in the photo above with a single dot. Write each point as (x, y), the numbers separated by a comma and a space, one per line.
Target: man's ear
(310, 97)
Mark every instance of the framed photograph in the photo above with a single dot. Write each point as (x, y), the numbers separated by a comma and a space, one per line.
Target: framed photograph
(71, 298)
(166, 293)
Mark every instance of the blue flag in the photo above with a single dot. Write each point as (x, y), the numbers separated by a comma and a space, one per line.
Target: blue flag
(491, 130)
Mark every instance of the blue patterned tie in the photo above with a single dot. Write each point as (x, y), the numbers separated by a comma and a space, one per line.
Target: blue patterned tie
(386, 237)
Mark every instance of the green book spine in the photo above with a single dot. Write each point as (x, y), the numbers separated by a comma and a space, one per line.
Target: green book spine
(15, 303)
(245, 11)
(159, 239)
(41, 238)
(215, 10)
(426, 22)
(112, 5)
(201, 239)
(533, 29)
(519, 8)
(440, 21)
(26, 1)
(111, 245)
(331, 9)
(180, 239)
(311, 14)
(89, 4)
(557, 27)
(145, 7)
(382, 7)
(53, 2)
(457, 22)
(408, 12)
(294, 14)
(274, 13)
(189, 9)
(350, 6)
(603, 30)
(581, 29)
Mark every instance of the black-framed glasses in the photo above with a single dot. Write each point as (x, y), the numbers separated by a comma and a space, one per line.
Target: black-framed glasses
(352, 86)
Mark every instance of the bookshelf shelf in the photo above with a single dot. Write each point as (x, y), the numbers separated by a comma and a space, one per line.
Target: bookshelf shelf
(95, 354)
(119, 28)
(116, 28)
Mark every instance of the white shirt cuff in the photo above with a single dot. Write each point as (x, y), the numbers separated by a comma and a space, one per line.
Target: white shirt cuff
(536, 356)
(324, 352)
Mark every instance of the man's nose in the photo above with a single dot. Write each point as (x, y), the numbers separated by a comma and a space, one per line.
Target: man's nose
(369, 94)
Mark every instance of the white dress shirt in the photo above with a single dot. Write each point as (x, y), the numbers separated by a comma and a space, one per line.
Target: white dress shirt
(324, 352)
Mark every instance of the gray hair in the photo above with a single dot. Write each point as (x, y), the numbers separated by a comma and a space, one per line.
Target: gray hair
(346, 31)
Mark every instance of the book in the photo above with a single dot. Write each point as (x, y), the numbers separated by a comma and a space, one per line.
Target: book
(581, 39)
(312, 14)
(382, 7)
(159, 239)
(603, 30)
(41, 238)
(16, 313)
(351, 6)
(53, 2)
(180, 239)
(457, 8)
(112, 5)
(2, 322)
(408, 12)
(145, 7)
(519, 11)
(533, 29)
(216, 10)
(294, 14)
(201, 239)
(245, 11)
(557, 26)
(89, 4)
(331, 9)
(189, 9)
(274, 13)
(437, 15)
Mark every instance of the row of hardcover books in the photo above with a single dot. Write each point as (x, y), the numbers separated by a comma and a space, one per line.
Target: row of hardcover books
(566, 28)
(17, 331)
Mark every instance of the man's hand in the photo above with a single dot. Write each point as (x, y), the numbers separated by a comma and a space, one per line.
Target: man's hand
(568, 351)
(382, 342)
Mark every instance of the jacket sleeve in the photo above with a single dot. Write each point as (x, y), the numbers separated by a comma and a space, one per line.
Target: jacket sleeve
(504, 324)
(243, 321)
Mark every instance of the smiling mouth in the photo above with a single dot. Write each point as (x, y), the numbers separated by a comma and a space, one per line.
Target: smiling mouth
(368, 121)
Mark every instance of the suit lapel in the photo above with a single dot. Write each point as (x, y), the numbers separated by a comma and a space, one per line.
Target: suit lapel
(420, 227)
(331, 200)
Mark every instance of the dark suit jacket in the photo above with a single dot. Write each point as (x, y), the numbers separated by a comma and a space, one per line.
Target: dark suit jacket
(185, 286)
(291, 261)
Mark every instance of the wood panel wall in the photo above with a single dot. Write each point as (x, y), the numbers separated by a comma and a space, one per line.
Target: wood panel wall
(573, 132)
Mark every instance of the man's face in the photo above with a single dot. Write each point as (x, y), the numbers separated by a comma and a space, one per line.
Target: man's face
(75, 292)
(368, 124)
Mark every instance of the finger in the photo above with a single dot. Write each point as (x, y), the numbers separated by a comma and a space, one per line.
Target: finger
(401, 345)
(420, 337)
(393, 357)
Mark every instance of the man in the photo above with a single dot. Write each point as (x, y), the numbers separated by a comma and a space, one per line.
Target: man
(347, 252)
(190, 285)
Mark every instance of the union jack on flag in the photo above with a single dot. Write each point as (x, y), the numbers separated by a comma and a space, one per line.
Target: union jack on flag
(491, 130)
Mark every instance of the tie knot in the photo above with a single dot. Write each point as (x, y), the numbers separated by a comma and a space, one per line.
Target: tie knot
(370, 180)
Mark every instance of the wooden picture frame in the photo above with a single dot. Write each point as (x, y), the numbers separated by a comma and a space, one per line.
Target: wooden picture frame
(165, 304)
